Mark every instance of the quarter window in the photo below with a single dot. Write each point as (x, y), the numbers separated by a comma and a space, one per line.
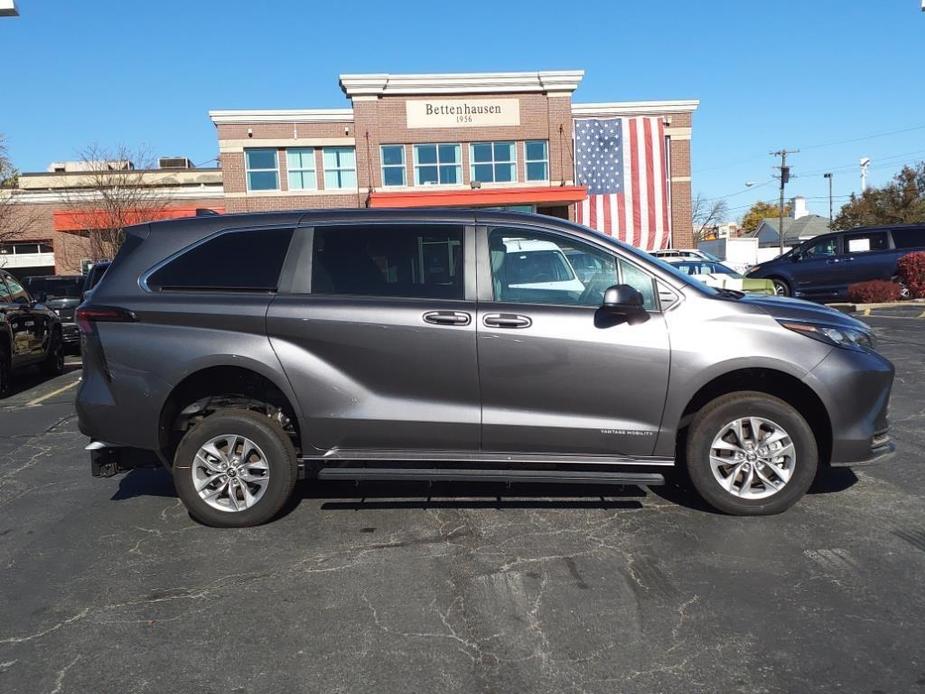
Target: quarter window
(262, 169)
(537, 160)
(909, 238)
(340, 168)
(301, 165)
(389, 261)
(493, 162)
(393, 165)
(437, 164)
(233, 261)
(532, 268)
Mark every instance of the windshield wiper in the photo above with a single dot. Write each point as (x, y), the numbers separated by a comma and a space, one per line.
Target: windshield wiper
(731, 293)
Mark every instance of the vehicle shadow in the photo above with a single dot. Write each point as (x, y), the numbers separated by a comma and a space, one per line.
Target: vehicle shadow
(32, 377)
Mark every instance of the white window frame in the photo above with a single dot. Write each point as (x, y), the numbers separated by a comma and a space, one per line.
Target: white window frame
(384, 166)
(340, 169)
(248, 171)
(494, 162)
(528, 161)
(302, 170)
(437, 145)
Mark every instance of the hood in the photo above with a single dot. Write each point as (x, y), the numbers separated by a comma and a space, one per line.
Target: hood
(784, 308)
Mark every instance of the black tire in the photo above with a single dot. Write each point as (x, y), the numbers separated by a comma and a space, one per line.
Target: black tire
(54, 362)
(781, 287)
(709, 422)
(281, 462)
(6, 371)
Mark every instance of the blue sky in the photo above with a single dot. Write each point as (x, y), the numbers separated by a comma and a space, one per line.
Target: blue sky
(802, 75)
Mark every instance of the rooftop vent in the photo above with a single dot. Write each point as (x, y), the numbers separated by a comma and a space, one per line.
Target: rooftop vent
(175, 163)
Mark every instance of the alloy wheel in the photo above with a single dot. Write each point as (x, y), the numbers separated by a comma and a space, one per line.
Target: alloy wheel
(752, 458)
(230, 473)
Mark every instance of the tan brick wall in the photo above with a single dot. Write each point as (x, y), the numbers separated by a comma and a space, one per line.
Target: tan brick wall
(681, 225)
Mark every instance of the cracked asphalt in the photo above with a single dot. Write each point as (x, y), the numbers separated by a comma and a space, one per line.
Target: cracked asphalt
(108, 586)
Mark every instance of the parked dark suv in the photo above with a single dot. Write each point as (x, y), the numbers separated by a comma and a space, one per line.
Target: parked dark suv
(62, 295)
(823, 267)
(30, 333)
(250, 350)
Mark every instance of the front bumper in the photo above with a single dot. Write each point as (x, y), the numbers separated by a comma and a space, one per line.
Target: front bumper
(70, 333)
(855, 389)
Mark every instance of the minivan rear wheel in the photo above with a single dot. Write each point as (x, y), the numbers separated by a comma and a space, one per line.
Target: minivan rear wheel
(750, 453)
(237, 468)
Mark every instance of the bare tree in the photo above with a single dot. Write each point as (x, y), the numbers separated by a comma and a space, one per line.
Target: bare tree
(705, 214)
(113, 190)
(15, 219)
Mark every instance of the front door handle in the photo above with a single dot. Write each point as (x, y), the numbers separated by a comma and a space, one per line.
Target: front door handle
(506, 320)
(447, 318)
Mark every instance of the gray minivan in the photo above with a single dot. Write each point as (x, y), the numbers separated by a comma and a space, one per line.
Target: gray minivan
(251, 350)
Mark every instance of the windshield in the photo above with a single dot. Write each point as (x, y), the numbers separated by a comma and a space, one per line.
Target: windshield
(55, 287)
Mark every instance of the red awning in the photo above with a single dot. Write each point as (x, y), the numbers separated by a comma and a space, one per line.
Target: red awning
(81, 220)
(480, 197)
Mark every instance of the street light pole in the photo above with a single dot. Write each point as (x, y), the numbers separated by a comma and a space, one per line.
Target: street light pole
(831, 218)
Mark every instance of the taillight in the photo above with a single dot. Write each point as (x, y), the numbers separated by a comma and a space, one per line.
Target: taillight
(86, 316)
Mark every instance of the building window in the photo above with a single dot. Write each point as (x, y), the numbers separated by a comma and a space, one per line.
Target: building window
(493, 162)
(340, 168)
(262, 169)
(393, 165)
(301, 165)
(437, 165)
(537, 160)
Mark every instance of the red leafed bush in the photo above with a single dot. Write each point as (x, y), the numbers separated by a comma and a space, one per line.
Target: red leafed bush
(873, 292)
(912, 273)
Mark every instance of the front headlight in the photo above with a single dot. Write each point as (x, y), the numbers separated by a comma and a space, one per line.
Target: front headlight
(839, 336)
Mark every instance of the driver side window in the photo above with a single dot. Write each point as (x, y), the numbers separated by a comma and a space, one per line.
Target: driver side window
(822, 249)
(528, 267)
(18, 294)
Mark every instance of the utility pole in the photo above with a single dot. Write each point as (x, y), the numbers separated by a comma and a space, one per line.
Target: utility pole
(831, 218)
(784, 177)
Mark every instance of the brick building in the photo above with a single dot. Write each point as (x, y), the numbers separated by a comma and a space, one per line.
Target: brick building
(480, 139)
(53, 209)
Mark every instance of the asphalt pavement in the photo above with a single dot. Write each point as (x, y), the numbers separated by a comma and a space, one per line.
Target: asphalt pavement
(108, 586)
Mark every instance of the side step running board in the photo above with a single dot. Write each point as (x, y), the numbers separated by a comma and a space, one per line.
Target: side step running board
(462, 475)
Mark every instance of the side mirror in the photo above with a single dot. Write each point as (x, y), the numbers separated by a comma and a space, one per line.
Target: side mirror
(622, 304)
(796, 257)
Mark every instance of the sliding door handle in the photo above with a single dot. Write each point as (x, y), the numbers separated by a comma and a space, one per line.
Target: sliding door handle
(447, 318)
(506, 320)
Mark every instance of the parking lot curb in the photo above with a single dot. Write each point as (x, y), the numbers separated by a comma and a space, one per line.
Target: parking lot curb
(916, 307)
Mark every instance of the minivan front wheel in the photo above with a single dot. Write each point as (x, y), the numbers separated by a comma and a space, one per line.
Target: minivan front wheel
(781, 288)
(237, 468)
(750, 453)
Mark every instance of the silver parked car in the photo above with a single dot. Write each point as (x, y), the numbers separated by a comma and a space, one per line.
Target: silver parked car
(251, 350)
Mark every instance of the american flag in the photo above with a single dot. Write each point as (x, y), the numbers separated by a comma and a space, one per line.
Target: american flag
(623, 163)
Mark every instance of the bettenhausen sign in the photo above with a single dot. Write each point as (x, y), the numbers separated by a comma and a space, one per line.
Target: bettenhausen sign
(462, 113)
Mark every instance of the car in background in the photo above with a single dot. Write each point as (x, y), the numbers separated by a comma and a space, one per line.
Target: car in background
(722, 276)
(62, 294)
(691, 253)
(94, 275)
(823, 267)
(532, 264)
(30, 333)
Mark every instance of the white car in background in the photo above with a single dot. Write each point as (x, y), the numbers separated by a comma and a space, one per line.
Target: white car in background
(533, 264)
(714, 274)
(684, 254)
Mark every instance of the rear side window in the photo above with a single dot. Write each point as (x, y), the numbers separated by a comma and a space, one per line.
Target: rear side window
(414, 261)
(909, 238)
(867, 242)
(5, 297)
(248, 260)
